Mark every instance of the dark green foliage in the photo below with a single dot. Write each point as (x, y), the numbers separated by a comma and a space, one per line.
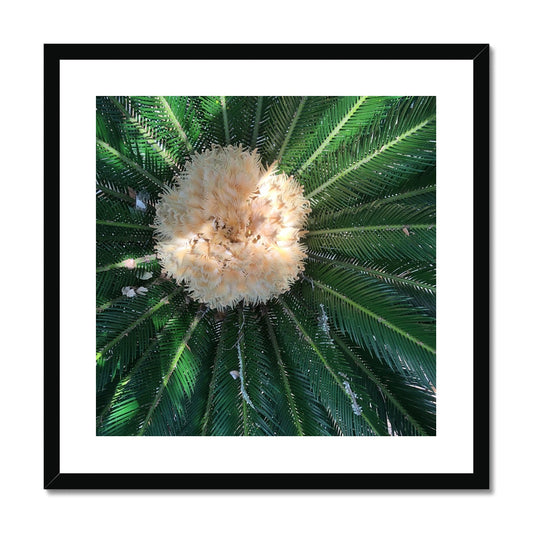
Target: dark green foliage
(349, 350)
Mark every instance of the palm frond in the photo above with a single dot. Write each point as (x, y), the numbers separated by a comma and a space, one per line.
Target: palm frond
(409, 406)
(412, 279)
(385, 156)
(167, 410)
(343, 122)
(224, 408)
(127, 327)
(376, 317)
(377, 242)
(328, 374)
(284, 114)
(151, 397)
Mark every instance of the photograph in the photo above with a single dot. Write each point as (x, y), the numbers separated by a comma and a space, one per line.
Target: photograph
(235, 207)
(266, 266)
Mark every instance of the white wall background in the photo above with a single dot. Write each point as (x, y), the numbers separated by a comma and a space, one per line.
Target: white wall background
(26, 26)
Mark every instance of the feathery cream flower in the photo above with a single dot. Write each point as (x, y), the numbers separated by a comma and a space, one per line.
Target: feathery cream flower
(230, 228)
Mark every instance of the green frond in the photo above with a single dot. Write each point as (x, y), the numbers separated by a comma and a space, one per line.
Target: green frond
(343, 122)
(258, 385)
(308, 415)
(110, 284)
(249, 371)
(126, 327)
(151, 397)
(167, 412)
(212, 115)
(412, 207)
(307, 113)
(414, 280)
(409, 406)
(285, 113)
(224, 408)
(288, 410)
(257, 121)
(375, 316)
(202, 345)
(420, 276)
(375, 243)
(385, 156)
(125, 170)
(328, 374)
(136, 124)
(159, 123)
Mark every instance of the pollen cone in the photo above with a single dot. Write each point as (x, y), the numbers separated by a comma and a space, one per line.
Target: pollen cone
(230, 229)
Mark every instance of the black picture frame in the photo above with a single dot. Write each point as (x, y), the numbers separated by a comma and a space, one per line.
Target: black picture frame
(478, 54)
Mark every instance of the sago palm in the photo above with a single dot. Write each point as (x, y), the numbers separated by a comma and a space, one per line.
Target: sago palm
(343, 343)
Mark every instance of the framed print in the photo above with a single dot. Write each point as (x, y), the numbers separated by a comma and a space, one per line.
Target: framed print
(265, 266)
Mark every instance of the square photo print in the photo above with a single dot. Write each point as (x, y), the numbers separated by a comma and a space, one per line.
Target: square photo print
(266, 266)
